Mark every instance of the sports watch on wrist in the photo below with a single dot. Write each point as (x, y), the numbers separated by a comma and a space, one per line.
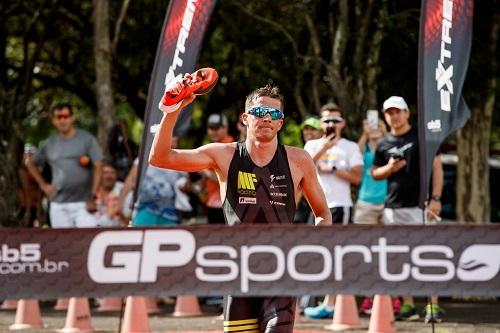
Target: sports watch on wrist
(436, 198)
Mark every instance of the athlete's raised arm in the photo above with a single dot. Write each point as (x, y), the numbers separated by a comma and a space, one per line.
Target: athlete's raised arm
(163, 156)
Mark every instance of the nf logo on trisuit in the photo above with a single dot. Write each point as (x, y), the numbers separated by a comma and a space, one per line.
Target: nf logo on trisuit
(246, 181)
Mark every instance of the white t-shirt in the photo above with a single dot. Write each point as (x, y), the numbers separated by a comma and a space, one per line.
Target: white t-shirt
(344, 155)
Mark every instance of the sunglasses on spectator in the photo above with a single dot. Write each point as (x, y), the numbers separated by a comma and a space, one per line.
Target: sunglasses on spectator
(332, 120)
(262, 111)
(63, 116)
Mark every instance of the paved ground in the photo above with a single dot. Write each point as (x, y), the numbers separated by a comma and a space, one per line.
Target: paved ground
(461, 317)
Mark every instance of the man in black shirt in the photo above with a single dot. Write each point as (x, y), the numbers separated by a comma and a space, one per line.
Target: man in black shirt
(259, 183)
(397, 160)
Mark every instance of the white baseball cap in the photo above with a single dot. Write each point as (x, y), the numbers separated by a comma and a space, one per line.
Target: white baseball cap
(395, 102)
(217, 119)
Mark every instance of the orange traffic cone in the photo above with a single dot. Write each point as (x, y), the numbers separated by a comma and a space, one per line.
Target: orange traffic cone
(27, 315)
(9, 304)
(187, 306)
(78, 316)
(381, 320)
(135, 319)
(109, 304)
(345, 316)
(62, 304)
(151, 305)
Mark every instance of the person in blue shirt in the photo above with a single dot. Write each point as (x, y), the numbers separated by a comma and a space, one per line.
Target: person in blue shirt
(371, 196)
(372, 193)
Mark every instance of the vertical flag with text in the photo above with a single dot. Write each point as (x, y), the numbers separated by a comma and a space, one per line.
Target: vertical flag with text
(178, 48)
(444, 49)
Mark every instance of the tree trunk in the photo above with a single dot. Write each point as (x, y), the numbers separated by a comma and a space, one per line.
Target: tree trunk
(473, 141)
(9, 143)
(104, 88)
(473, 176)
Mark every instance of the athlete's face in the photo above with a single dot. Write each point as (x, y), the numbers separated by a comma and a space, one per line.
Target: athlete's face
(263, 129)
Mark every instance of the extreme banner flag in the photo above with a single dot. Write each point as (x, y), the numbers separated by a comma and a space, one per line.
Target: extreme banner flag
(180, 41)
(444, 49)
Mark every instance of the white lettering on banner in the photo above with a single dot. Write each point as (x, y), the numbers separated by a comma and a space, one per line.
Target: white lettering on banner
(443, 74)
(27, 259)
(327, 263)
(383, 249)
(339, 257)
(205, 262)
(434, 125)
(126, 266)
(180, 47)
(478, 262)
(421, 262)
(247, 275)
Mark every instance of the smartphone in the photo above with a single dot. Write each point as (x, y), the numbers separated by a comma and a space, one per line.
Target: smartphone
(372, 118)
(397, 155)
(329, 131)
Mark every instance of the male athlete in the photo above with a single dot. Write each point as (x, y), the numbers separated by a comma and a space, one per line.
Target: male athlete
(260, 181)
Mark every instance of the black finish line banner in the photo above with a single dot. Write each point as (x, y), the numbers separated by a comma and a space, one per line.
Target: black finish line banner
(250, 260)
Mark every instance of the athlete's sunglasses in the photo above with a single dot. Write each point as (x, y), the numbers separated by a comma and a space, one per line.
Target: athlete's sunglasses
(262, 111)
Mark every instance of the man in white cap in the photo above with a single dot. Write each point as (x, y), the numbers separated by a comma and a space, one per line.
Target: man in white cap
(397, 160)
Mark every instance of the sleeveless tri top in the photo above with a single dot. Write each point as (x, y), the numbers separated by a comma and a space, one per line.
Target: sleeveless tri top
(259, 194)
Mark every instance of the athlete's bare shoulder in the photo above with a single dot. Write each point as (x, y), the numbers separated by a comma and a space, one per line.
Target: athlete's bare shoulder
(297, 155)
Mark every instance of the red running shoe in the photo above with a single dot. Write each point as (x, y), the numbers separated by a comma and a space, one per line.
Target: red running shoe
(198, 83)
(366, 306)
(396, 305)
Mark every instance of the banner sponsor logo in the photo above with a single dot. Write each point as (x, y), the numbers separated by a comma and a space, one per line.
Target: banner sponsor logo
(177, 248)
(246, 181)
(434, 125)
(129, 266)
(274, 178)
(444, 74)
(27, 258)
(475, 266)
(247, 200)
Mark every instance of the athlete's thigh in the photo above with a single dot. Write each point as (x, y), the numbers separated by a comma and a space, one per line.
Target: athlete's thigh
(278, 315)
(242, 314)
